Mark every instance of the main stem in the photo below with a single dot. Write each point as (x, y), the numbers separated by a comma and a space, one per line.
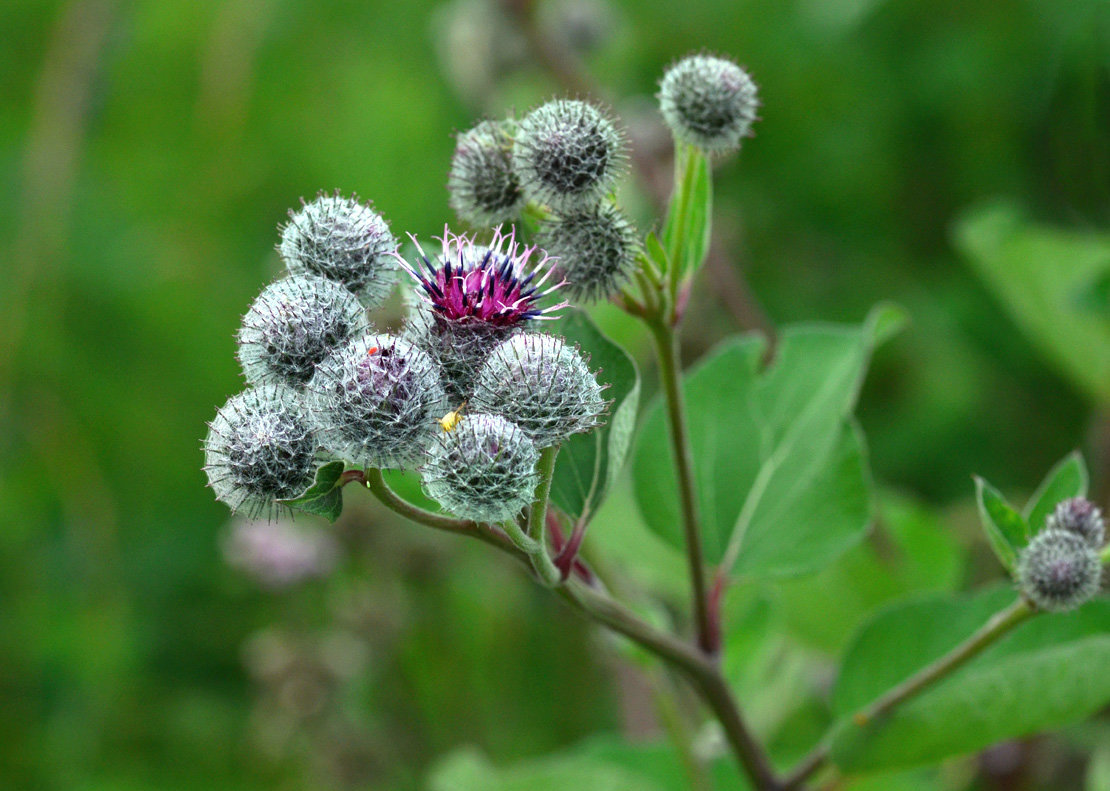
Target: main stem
(670, 370)
(999, 625)
(699, 669)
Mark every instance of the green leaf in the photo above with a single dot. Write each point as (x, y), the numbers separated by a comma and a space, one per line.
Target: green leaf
(600, 763)
(325, 496)
(781, 475)
(1066, 480)
(1049, 671)
(1093, 297)
(588, 464)
(909, 551)
(688, 228)
(1006, 529)
(654, 250)
(1036, 272)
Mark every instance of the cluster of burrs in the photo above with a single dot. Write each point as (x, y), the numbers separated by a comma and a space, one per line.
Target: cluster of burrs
(1060, 568)
(562, 161)
(465, 393)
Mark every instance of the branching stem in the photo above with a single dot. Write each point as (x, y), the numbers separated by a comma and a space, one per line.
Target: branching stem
(1000, 624)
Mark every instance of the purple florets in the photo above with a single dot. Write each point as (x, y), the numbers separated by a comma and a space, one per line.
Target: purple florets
(496, 285)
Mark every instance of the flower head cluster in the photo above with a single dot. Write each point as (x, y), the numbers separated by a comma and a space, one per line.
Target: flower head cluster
(375, 402)
(475, 296)
(293, 324)
(542, 385)
(345, 241)
(260, 449)
(483, 469)
(709, 102)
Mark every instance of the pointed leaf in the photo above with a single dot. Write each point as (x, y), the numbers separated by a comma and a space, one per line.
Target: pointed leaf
(1066, 480)
(781, 478)
(588, 464)
(324, 497)
(1048, 672)
(1006, 529)
(687, 230)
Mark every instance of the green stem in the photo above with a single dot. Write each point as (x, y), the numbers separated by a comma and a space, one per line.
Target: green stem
(700, 670)
(666, 346)
(534, 542)
(1000, 624)
(375, 482)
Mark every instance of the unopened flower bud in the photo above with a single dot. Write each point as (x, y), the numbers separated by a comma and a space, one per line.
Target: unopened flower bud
(542, 385)
(567, 155)
(1059, 570)
(596, 249)
(1080, 516)
(483, 468)
(293, 324)
(375, 402)
(709, 102)
(259, 449)
(484, 188)
(345, 241)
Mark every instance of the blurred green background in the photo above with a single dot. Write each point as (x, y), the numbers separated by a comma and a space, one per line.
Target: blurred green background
(149, 150)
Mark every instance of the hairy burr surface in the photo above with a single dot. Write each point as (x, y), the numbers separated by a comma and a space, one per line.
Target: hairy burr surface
(343, 240)
(482, 469)
(594, 249)
(1059, 570)
(484, 189)
(1080, 516)
(542, 385)
(709, 102)
(293, 324)
(260, 449)
(375, 402)
(567, 155)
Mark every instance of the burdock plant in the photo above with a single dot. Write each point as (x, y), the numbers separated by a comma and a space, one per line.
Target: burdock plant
(518, 414)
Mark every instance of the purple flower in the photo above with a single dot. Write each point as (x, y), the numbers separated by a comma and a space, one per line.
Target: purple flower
(497, 285)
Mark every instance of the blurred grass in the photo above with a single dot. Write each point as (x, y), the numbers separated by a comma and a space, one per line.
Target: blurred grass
(147, 153)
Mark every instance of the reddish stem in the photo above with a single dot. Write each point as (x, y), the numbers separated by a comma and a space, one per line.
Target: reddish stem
(566, 559)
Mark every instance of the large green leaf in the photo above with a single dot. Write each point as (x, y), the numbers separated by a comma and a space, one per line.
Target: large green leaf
(1037, 272)
(908, 552)
(1048, 672)
(588, 464)
(781, 475)
(1066, 480)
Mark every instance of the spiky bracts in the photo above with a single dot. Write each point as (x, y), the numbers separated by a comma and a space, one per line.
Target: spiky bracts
(595, 250)
(1059, 570)
(293, 324)
(260, 449)
(482, 469)
(375, 402)
(343, 240)
(541, 384)
(476, 297)
(1080, 516)
(709, 102)
(484, 189)
(568, 155)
